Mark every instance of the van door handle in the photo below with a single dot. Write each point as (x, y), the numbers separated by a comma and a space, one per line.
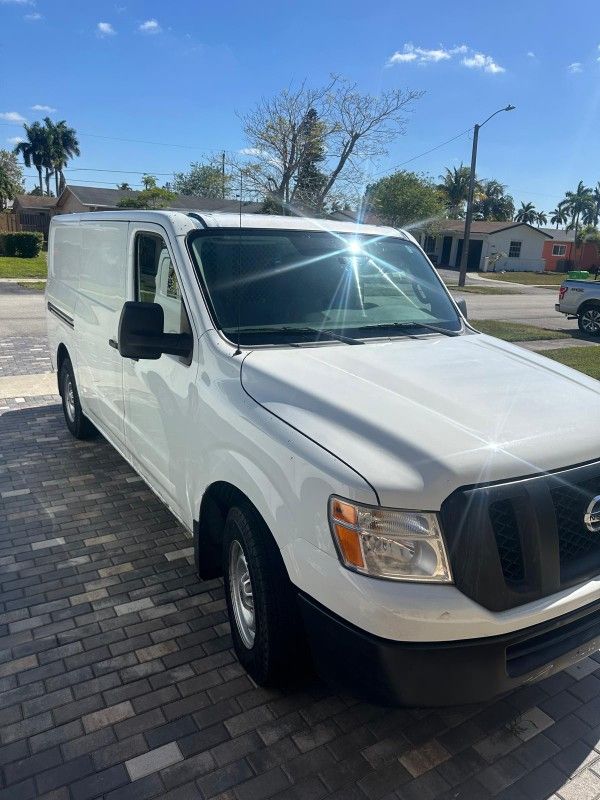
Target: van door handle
(114, 344)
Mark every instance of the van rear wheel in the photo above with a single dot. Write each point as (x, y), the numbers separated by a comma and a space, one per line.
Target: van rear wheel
(77, 423)
(267, 632)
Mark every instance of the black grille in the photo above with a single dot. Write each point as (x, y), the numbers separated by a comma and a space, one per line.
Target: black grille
(506, 531)
(514, 542)
(570, 505)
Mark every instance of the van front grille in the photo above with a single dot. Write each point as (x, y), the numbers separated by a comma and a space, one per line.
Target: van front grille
(508, 540)
(515, 542)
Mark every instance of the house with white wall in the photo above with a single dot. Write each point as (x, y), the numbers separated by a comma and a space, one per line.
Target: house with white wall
(514, 246)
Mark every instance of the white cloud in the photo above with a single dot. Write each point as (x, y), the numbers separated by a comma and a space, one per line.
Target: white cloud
(47, 109)
(14, 140)
(105, 29)
(35, 17)
(13, 116)
(150, 26)
(250, 151)
(17, 2)
(422, 55)
(530, 54)
(575, 67)
(481, 61)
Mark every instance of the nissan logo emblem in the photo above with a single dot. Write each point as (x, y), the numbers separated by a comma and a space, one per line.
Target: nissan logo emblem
(591, 518)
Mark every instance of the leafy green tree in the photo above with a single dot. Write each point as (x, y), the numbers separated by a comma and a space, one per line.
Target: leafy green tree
(11, 177)
(203, 180)
(559, 216)
(542, 218)
(405, 198)
(527, 213)
(455, 186)
(124, 187)
(492, 203)
(149, 198)
(149, 182)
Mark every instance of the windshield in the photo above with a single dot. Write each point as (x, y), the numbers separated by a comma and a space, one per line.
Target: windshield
(281, 286)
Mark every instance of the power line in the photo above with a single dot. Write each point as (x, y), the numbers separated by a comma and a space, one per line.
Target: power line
(424, 153)
(137, 141)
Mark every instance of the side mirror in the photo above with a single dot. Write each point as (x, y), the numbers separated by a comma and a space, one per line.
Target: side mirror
(462, 305)
(141, 333)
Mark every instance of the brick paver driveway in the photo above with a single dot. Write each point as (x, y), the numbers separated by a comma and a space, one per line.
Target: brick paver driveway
(117, 679)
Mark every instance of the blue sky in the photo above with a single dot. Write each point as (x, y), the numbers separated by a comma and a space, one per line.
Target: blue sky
(179, 73)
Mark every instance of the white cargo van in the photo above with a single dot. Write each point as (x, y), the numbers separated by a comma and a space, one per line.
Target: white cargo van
(414, 503)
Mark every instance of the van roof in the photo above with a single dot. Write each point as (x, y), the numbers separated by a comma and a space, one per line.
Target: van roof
(184, 221)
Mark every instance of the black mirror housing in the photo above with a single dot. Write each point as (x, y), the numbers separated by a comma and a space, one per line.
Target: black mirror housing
(462, 305)
(141, 333)
(140, 327)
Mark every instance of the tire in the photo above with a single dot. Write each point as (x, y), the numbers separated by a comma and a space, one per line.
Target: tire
(275, 652)
(77, 423)
(589, 320)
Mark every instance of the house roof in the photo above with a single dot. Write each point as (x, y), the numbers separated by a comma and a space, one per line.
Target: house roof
(34, 201)
(97, 197)
(482, 227)
(364, 217)
(560, 235)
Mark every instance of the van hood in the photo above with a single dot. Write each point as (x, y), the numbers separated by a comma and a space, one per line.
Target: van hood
(417, 418)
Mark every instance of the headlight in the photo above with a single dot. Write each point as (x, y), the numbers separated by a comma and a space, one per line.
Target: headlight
(385, 543)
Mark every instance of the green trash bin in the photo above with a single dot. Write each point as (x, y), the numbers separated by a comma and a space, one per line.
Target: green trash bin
(578, 275)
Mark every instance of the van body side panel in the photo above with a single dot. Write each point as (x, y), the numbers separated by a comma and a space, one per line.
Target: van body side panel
(64, 253)
(102, 293)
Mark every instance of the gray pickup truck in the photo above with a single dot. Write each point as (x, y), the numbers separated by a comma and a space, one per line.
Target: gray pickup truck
(581, 299)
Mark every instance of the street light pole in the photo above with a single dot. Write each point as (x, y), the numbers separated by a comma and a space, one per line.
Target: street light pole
(469, 215)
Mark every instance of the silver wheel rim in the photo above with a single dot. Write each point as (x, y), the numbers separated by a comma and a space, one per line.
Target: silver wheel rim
(591, 320)
(70, 399)
(242, 597)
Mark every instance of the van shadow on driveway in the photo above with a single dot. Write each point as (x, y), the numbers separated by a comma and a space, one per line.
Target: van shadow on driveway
(116, 667)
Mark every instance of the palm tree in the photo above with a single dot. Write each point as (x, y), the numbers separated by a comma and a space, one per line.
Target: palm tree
(125, 187)
(542, 219)
(492, 203)
(579, 205)
(63, 144)
(33, 149)
(559, 216)
(596, 194)
(455, 186)
(527, 214)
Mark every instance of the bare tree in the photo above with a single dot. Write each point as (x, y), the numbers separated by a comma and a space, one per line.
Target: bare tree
(352, 128)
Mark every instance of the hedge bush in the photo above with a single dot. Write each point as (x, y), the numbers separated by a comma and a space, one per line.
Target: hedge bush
(24, 244)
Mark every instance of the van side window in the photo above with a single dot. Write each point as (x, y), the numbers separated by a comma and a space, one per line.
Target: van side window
(156, 281)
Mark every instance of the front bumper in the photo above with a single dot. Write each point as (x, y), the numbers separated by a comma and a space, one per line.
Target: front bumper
(445, 673)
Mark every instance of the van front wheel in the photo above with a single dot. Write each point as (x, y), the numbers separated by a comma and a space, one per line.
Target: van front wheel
(266, 629)
(77, 423)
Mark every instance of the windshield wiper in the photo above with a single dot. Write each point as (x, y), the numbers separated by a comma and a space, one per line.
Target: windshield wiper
(407, 325)
(287, 330)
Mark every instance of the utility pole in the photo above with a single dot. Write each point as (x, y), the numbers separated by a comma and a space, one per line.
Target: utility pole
(464, 259)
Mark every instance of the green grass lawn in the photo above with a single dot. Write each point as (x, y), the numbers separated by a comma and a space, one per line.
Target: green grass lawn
(585, 359)
(35, 286)
(515, 331)
(529, 278)
(470, 289)
(23, 267)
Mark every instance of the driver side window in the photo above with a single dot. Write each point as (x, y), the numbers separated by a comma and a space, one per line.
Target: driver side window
(156, 281)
